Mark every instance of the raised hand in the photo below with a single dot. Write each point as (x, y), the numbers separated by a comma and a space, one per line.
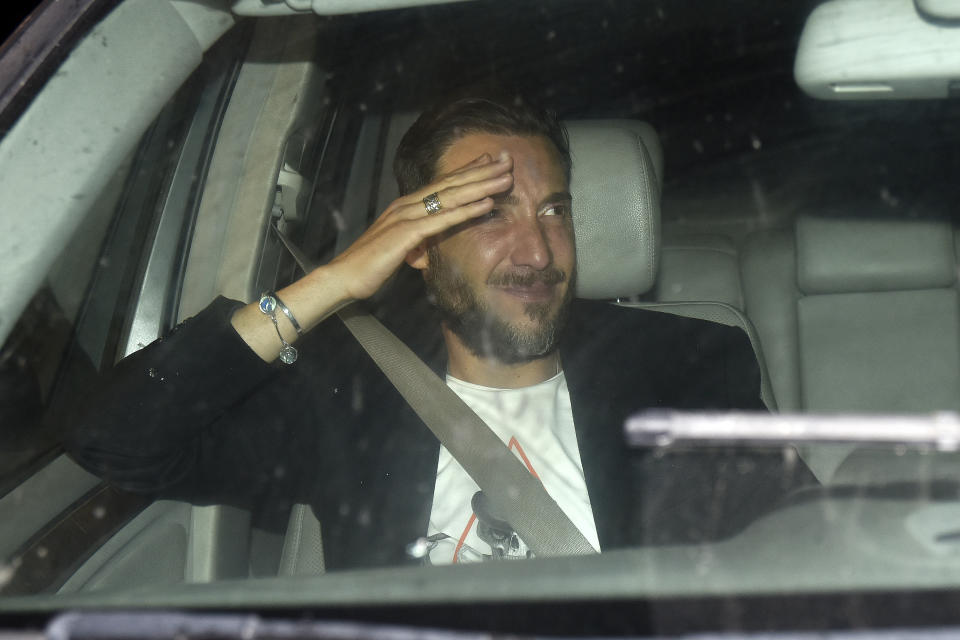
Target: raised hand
(463, 194)
(362, 268)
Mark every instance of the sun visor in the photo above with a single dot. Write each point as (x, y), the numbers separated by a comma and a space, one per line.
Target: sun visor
(878, 49)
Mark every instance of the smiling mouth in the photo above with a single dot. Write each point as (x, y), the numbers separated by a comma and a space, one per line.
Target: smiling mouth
(536, 292)
(529, 287)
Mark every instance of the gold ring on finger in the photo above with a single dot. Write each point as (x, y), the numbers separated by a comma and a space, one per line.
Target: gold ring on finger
(432, 203)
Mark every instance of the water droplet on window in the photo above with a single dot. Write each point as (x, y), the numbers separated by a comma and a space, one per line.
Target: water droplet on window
(356, 402)
(364, 518)
(888, 197)
(152, 372)
(551, 35)
(42, 552)
(755, 142)
(99, 512)
(698, 146)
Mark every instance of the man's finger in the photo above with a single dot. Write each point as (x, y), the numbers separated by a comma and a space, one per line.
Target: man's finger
(455, 197)
(483, 158)
(472, 174)
(432, 225)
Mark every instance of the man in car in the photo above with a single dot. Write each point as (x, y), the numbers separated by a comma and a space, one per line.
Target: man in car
(209, 415)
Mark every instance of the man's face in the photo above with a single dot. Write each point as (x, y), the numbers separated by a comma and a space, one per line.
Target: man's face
(503, 282)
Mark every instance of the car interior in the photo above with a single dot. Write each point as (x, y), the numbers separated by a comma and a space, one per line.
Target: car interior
(851, 306)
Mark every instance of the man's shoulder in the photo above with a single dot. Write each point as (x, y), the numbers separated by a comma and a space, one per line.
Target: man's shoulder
(592, 319)
(678, 362)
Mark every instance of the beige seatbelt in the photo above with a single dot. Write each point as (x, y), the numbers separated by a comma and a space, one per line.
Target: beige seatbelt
(516, 496)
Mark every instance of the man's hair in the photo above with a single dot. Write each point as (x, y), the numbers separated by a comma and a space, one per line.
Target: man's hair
(439, 127)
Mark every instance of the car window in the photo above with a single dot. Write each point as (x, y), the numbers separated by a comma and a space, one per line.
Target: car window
(761, 362)
(113, 288)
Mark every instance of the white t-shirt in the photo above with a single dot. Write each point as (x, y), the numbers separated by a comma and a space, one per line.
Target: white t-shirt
(536, 423)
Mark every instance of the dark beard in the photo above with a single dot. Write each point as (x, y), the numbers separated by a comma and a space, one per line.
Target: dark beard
(484, 334)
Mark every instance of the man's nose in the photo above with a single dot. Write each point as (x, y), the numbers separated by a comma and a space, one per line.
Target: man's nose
(530, 248)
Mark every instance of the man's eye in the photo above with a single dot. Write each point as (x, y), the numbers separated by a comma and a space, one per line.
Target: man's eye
(490, 215)
(556, 210)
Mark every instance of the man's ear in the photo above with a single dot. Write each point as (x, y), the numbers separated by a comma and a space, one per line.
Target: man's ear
(418, 257)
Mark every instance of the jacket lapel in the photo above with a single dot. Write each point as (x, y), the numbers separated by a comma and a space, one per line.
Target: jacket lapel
(606, 386)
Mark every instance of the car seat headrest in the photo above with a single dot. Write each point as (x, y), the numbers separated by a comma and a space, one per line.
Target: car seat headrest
(849, 255)
(616, 181)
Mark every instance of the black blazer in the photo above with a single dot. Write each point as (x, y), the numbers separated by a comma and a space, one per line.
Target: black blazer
(197, 416)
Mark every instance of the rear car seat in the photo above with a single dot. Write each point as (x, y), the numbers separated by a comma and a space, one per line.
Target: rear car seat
(857, 315)
(698, 267)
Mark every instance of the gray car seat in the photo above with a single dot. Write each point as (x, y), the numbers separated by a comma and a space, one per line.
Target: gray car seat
(857, 315)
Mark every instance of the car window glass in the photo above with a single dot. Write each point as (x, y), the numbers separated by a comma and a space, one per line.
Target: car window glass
(806, 258)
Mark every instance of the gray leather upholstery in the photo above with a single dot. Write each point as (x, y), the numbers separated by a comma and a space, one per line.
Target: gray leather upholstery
(861, 316)
(890, 351)
(768, 272)
(644, 131)
(616, 208)
(698, 267)
(873, 255)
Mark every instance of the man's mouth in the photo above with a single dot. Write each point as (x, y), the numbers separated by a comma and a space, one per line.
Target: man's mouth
(529, 287)
(534, 292)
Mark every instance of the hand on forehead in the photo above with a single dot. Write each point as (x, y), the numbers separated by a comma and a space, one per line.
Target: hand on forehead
(537, 166)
